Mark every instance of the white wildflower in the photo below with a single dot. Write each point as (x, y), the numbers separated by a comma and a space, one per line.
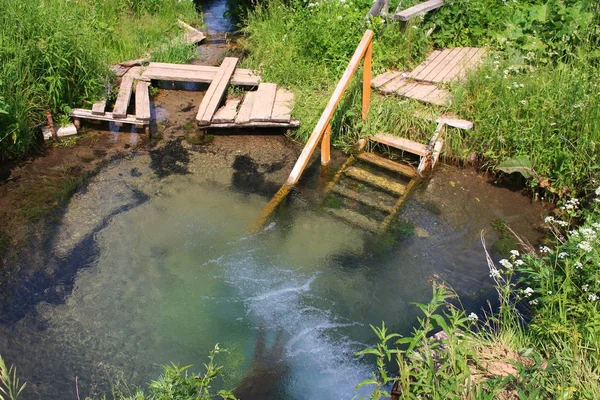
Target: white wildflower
(519, 262)
(592, 297)
(597, 191)
(473, 317)
(562, 254)
(533, 302)
(528, 292)
(494, 273)
(585, 287)
(578, 265)
(585, 246)
(515, 253)
(549, 291)
(506, 264)
(549, 219)
(545, 249)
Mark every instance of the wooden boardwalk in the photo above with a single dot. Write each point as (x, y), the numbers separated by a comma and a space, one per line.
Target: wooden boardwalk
(266, 107)
(423, 83)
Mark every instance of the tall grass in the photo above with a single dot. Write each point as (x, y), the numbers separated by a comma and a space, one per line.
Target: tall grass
(55, 54)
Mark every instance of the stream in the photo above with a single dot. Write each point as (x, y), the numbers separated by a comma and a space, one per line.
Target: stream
(153, 263)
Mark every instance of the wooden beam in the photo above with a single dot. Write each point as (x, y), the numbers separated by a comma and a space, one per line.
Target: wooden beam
(142, 101)
(122, 102)
(335, 99)
(366, 93)
(216, 91)
(385, 163)
(282, 109)
(419, 9)
(78, 113)
(197, 73)
(243, 115)
(326, 146)
(400, 143)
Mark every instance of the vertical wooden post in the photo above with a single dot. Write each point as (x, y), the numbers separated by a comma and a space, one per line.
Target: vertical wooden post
(326, 145)
(51, 126)
(366, 94)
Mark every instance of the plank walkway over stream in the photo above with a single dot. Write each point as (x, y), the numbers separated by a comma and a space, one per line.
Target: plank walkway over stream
(425, 82)
(265, 107)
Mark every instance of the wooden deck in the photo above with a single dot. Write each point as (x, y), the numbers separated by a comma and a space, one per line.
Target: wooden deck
(266, 107)
(423, 83)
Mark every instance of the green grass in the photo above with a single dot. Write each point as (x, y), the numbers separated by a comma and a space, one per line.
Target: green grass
(55, 54)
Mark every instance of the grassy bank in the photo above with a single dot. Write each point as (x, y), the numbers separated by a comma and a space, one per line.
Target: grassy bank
(55, 54)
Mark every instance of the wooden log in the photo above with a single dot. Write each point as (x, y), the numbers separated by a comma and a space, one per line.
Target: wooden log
(264, 99)
(227, 113)
(142, 101)
(325, 118)
(216, 91)
(122, 102)
(419, 9)
(98, 108)
(282, 109)
(375, 180)
(400, 143)
(385, 163)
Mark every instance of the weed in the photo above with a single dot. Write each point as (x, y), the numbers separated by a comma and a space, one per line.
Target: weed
(10, 388)
(333, 202)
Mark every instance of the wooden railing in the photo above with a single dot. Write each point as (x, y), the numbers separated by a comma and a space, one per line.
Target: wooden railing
(322, 131)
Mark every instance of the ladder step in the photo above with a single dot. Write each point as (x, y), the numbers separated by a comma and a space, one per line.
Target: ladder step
(402, 169)
(375, 180)
(401, 143)
(354, 218)
(351, 194)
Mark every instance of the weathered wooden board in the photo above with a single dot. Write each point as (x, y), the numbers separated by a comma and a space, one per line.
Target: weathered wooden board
(264, 99)
(428, 66)
(438, 96)
(417, 10)
(99, 107)
(122, 102)
(446, 65)
(375, 180)
(430, 58)
(142, 101)
(292, 124)
(282, 109)
(354, 218)
(393, 85)
(107, 116)
(197, 73)
(243, 115)
(384, 78)
(448, 119)
(227, 113)
(400, 143)
(386, 163)
(469, 65)
(216, 91)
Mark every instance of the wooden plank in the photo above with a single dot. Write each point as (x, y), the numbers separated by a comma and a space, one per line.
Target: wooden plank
(388, 220)
(366, 89)
(431, 58)
(439, 97)
(384, 78)
(292, 124)
(469, 65)
(385, 163)
(243, 115)
(142, 101)
(197, 73)
(226, 114)
(450, 72)
(449, 120)
(400, 143)
(263, 102)
(361, 198)
(406, 89)
(216, 91)
(431, 66)
(421, 91)
(99, 107)
(375, 180)
(354, 218)
(454, 56)
(419, 9)
(282, 109)
(107, 116)
(393, 85)
(122, 102)
(330, 108)
(426, 161)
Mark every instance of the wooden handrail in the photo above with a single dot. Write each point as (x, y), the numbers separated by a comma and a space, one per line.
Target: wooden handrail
(364, 50)
(322, 131)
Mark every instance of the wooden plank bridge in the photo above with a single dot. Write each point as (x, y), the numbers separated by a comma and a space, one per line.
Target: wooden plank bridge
(263, 105)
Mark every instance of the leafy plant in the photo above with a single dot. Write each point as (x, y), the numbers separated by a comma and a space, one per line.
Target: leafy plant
(10, 387)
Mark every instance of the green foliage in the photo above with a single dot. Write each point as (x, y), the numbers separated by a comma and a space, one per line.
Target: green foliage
(57, 53)
(10, 388)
